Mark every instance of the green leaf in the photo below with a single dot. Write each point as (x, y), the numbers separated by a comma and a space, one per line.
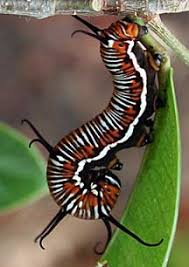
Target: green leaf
(22, 170)
(153, 207)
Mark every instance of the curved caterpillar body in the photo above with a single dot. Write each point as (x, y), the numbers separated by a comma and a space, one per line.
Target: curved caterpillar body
(79, 171)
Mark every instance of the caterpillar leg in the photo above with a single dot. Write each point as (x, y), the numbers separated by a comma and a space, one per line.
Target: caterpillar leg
(160, 100)
(39, 138)
(53, 223)
(154, 59)
(149, 123)
(111, 219)
(146, 137)
(115, 164)
(109, 231)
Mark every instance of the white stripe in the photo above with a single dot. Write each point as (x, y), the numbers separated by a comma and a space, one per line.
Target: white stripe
(62, 196)
(94, 130)
(93, 186)
(130, 130)
(67, 147)
(94, 192)
(85, 137)
(123, 30)
(114, 120)
(101, 128)
(80, 204)
(114, 69)
(77, 178)
(103, 210)
(84, 191)
(97, 129)
(88, 213)
(68, 155)
(68, 197)
(119, 108)
(74, 210)
(54, 172)
(81, 185)
(79, 139)
(60, 158)
(94, 141)
(84, 211)
(56, 186)
(72, 146)
(111, 57)
(118, 77)
(56, 163)
(117, 100)
(103, 123)
(113, 181)
(107, 116)
(80, 213)
(126, 99)
(57, 190)
(96, 215)
(121, 87)
(108, 207)
(117, 115)
(112, 60)
(131, 77)
(122, 81)
(112, 65)
(52, 167)
(57, 181)
(76, 143)
(124, 94)
(70, 205)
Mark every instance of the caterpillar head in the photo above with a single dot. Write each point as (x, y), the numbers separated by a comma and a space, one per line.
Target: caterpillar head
(121, 30)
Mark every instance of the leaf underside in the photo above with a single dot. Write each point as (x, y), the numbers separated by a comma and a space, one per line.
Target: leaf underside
(22, 170)
(153, 207)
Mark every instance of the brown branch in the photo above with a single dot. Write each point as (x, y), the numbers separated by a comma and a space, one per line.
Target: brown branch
(45, 8)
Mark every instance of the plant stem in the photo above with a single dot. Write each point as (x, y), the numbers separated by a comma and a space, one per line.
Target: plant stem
(169, 39)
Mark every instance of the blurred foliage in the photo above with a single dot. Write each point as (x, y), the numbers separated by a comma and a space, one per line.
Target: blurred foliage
(22, 170)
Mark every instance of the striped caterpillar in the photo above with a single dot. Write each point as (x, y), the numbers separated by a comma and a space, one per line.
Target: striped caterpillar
(80, 167)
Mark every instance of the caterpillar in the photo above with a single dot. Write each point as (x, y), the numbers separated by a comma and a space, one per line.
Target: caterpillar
(80, 171)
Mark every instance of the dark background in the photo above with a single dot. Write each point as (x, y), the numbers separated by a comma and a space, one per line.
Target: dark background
(58, 83)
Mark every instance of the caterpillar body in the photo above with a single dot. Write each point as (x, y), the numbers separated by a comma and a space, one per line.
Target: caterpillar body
(80, 167)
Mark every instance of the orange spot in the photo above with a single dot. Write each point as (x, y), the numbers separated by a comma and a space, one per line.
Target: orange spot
(131, 111)
(89, 149)
(115, 133)
(68, 165)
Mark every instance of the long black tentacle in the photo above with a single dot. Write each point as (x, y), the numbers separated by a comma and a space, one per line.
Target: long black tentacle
(40, 138)
(34, 141)
(127, 231)
(53, 223)
(89, 25)
(109, 231)
(97, 33)
(98, 37)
